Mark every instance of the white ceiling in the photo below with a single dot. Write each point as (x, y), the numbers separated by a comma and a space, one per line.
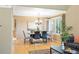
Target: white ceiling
(5, 6)
(57, 7)
(31, 11)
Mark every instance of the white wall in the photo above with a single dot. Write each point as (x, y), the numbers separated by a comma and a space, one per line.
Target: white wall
(21, 25)
(72, 18)
(5, 30)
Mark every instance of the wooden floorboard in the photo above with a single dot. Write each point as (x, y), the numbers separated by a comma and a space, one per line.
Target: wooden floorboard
(20, 48)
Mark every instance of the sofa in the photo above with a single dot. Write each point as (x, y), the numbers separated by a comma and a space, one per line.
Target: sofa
(73, 43)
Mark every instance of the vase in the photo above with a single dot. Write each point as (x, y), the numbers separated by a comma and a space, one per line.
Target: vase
(62, 45)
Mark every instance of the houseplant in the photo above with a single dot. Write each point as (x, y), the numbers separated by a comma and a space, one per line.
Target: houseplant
(65, 33)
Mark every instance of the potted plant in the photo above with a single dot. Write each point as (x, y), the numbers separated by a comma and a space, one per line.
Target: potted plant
(65, 34)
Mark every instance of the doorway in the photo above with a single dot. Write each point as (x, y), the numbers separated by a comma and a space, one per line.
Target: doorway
(30, 21)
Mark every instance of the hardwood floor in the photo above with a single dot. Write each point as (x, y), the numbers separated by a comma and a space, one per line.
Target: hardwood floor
(20, 48)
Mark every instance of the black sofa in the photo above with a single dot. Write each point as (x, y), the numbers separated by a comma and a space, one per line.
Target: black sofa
(71, 44)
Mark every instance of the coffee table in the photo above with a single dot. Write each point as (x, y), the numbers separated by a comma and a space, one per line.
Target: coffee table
(59, 50)
(56, 50)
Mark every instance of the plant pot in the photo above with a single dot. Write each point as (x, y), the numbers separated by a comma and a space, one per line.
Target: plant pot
(62, 46)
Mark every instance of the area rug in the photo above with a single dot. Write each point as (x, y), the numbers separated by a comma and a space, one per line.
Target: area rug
(44, 51)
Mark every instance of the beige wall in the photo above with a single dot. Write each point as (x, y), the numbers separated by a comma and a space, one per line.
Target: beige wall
(21, 25)
(72, 18)
(5, 30)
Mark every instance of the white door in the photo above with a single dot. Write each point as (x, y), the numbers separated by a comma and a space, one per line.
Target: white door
(5, 30)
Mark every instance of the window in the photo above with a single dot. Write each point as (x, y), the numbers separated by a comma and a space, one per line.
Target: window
(55, 25)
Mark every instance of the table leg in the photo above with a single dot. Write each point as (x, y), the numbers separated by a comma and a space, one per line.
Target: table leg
(50, 50)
